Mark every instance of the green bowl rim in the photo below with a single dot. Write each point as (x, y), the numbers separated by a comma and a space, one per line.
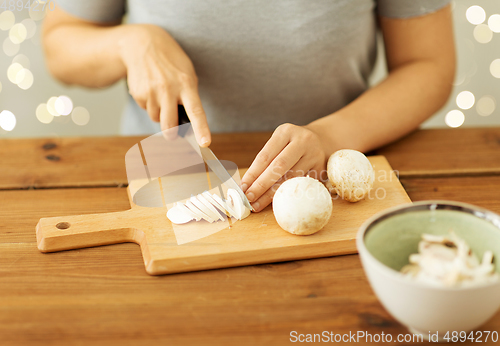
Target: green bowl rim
(479, 212)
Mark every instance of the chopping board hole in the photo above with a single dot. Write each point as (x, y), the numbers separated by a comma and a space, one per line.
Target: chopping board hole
(63, 225)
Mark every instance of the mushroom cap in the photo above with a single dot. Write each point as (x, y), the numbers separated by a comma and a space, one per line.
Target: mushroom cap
(302, 206)
(351, 174)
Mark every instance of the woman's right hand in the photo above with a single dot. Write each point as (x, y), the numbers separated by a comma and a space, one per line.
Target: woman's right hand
(161, 76)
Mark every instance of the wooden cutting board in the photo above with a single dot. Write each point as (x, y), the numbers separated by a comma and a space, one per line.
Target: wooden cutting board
(256, 239)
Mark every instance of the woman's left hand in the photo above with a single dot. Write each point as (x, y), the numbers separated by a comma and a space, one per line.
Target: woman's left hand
(291, 151)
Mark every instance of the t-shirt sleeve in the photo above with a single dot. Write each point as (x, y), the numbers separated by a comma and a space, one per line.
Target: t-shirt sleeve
(100, 11)
(408, 8)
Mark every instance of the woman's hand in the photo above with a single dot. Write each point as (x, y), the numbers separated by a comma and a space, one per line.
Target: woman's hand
(161, 76)
(292, 151)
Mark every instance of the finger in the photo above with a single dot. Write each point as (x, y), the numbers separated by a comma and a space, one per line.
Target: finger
(194, 109)
(264, 200)
(278, 168)
(141, 102)
(299, 170)
(139, 97)
(168, 117)
(153, 109)
(271, 149)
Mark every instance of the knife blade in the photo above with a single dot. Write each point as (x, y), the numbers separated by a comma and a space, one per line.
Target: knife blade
(211, 160)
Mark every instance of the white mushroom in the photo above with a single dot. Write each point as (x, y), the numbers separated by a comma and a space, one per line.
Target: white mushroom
(178, 215)
(448, 261)
(410, 269)
(302, 206)
(197, 211)
(216, 204)
(209, 208)
(432, 238)
(224, 205)
(186, 210)
(201, 206)
(414, 258)
(214, 214)
(351, 174)
(487, 258)
(437, 250)
(235, 202)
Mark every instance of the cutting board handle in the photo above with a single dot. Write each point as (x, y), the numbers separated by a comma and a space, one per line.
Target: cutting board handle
(75, 232)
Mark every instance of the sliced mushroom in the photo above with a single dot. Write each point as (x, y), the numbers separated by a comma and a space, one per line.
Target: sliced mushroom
(410, 269)
(208, 207)
(214, 214)
(246, 213)
(437, 250)
(432, 238)
(415, 258)
(216, 204)
(487, 258)
(234, 200)
(178, 215)
(202, 207)
(185, 209)
(197, 211)
(225, 205)
(448, 261)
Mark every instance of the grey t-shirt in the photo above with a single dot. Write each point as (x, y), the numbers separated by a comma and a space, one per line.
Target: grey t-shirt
(261, 63)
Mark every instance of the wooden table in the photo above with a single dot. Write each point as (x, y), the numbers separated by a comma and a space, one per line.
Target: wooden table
(104, 296)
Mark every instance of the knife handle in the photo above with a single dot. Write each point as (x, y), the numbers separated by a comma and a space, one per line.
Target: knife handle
(182, 115)
(183, 119)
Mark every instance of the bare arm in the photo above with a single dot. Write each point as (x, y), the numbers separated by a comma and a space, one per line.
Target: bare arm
(82, 52)
(421, 62)
(159, 73)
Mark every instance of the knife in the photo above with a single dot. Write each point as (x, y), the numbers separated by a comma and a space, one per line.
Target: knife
(211, 160)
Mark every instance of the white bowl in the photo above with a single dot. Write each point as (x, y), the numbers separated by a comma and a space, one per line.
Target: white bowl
(386, 240)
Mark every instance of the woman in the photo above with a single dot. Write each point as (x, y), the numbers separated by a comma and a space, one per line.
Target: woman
(263, 65)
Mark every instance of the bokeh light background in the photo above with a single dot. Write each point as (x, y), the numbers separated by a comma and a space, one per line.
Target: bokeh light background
(33, 104)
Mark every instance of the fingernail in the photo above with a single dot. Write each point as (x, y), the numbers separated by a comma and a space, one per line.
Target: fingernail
(250, 196)
(244, 187)
(256, 206)
(204, 141)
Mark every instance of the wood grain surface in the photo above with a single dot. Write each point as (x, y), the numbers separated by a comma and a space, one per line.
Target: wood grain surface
(95, 161)
(446, 152)
(64, 162)
(168, 248)
(483, 191)
(99, 161)
(102, 296)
